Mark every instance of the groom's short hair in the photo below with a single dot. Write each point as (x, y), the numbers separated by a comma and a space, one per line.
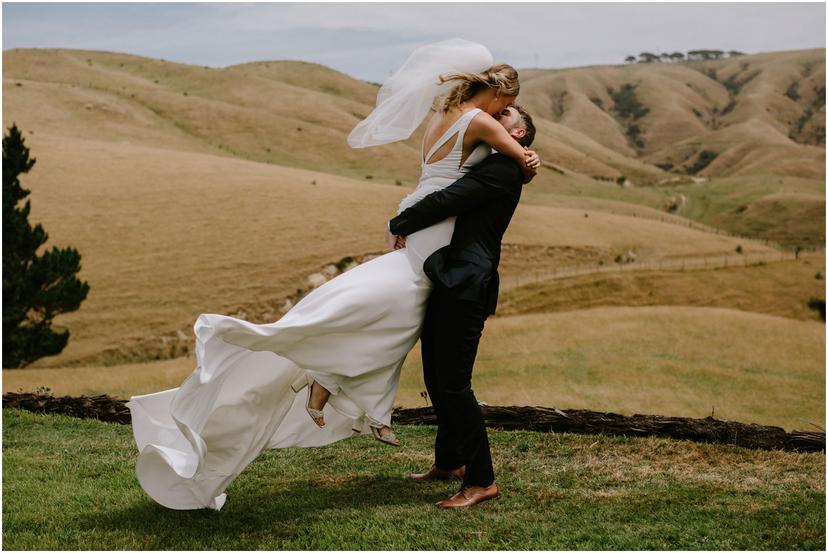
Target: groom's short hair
(527, 124)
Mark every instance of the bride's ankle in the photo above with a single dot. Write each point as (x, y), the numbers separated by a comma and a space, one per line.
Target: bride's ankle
(319, 396)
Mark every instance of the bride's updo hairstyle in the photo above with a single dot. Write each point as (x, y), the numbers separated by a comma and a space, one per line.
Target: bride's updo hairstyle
(501, 76)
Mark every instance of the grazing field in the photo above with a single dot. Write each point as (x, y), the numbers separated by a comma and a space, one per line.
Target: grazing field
(69, 484)
(166, 234)
(668, 360)
(682, 361)
(788, 210)
(780, 288)
(784, 209)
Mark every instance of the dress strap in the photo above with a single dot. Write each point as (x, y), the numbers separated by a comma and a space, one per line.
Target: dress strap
(450, 132)
(462, 132)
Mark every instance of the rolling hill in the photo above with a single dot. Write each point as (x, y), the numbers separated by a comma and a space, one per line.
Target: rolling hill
(756, 116)
(194, 190)
(740, 107)
(167, 233)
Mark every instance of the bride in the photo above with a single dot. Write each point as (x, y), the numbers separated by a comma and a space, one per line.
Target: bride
(346, 340)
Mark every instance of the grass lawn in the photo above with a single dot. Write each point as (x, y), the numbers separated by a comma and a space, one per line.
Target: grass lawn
(69, 484)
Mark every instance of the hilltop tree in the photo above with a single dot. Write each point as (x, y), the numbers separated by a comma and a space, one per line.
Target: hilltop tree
(36, 288)
(704, 54)
(692, 55)
(648, 57)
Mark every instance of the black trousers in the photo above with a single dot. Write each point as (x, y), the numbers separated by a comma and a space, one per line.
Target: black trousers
(450, 336)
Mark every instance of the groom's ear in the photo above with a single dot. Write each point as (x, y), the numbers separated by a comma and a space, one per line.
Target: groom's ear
(518, 133)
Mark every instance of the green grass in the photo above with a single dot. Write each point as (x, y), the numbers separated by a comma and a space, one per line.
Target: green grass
(786, 209)
(69, 484)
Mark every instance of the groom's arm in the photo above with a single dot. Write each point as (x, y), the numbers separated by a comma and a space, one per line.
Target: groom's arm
(497, 175)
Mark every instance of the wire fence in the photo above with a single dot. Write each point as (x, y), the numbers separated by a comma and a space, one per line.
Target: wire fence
(674, 219)
(673, 264)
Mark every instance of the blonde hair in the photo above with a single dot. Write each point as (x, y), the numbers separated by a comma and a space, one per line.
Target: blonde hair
(502, 76)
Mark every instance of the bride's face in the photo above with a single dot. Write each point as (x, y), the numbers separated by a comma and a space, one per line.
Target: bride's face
(498, 103)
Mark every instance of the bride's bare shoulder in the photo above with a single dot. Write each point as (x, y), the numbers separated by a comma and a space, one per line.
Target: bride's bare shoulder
(435, 120)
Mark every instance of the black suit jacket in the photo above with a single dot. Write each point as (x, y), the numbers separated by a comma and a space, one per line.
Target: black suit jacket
(484, 201)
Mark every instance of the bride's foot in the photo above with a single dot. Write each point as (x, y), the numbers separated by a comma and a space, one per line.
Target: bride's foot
(317, 398)
(385, 435)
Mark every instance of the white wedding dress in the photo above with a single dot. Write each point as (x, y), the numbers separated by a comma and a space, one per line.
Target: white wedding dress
(351, 334)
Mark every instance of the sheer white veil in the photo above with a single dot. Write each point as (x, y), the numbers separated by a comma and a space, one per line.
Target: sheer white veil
(407, 96)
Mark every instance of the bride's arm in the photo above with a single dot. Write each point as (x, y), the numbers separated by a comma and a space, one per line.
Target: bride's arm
(487, 129)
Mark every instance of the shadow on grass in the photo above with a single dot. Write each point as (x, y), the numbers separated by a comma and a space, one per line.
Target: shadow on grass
(260, 509)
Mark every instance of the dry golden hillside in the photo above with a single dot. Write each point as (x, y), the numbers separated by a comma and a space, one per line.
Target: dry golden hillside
(736, 143)
(753, 288)
(770, 107)
(166, 234)
(736, 107)
(285, 113)
(760, 115)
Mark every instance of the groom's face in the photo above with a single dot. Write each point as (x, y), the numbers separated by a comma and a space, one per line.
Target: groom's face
(510, 119)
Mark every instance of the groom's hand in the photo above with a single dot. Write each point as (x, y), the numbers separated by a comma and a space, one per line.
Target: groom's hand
(400, 243)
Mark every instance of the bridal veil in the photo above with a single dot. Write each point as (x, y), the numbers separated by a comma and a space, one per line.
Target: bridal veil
(407, 96)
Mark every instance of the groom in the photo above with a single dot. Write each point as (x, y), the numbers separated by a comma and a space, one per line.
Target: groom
(465, 291)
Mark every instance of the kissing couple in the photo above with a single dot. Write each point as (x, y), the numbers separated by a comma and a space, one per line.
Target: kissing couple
(347, 339)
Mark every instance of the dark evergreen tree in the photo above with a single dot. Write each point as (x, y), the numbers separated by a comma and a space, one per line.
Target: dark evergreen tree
(36, 288)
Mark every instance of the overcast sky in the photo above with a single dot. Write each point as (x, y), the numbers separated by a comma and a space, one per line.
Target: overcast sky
(371, 40)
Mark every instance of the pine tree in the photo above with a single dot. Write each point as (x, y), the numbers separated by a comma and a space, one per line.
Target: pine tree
(36, 288)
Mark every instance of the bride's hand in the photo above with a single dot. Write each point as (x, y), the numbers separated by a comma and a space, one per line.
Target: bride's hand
(390, 239)
(532, 158)
(532, 162)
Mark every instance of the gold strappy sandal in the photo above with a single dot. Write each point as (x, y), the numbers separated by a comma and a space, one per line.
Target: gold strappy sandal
(389, 438)
(307, 380)
(315, 414)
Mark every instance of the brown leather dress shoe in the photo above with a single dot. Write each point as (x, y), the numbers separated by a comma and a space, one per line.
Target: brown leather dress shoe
(438, 474)
(472, 495)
